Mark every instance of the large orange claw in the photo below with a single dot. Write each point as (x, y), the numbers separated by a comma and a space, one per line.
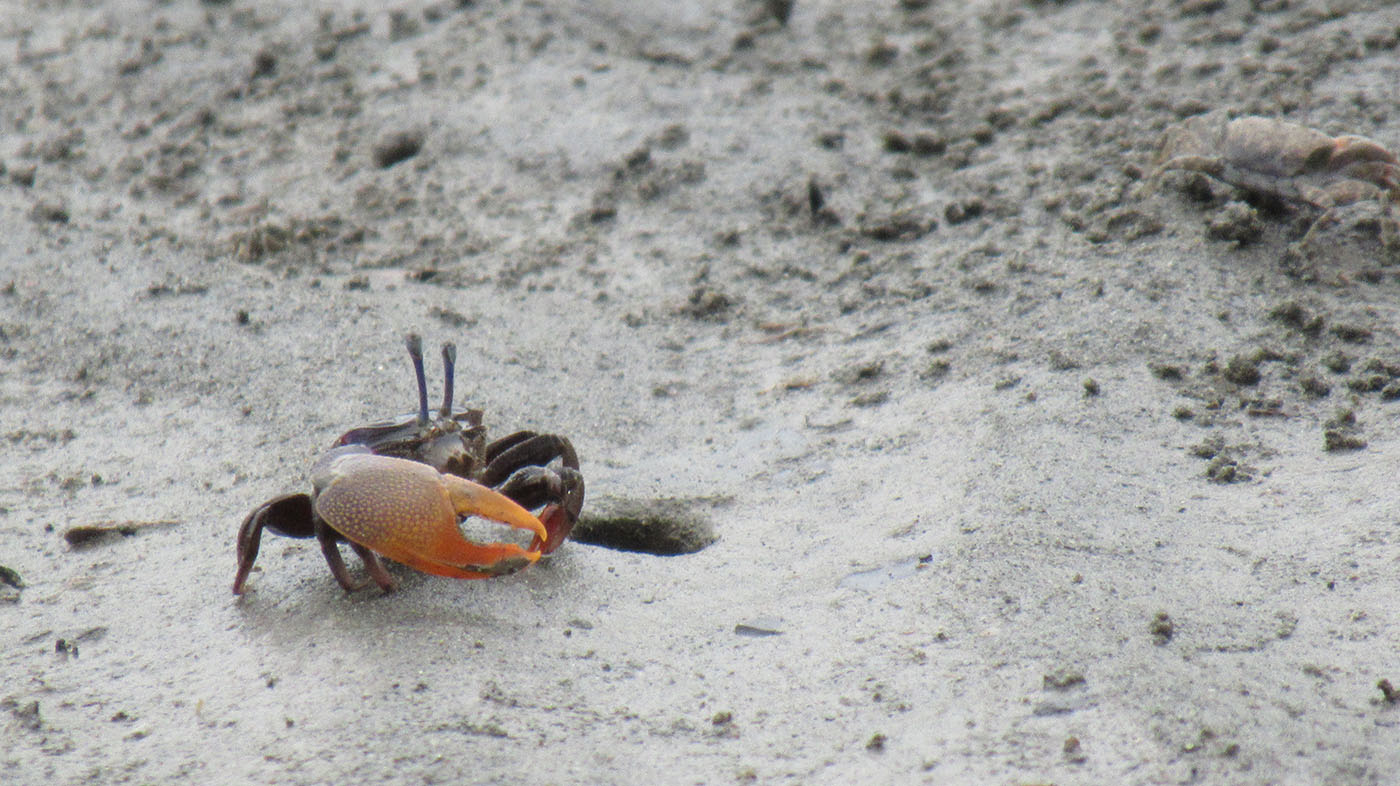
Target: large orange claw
(409, 512)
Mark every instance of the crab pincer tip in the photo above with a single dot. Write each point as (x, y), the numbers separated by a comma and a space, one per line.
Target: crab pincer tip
(473, 499)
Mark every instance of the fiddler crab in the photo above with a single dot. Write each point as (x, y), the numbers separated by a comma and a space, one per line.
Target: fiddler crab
(399, 489)
(1288, 162)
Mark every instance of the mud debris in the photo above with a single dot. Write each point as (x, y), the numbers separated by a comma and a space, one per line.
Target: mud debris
(1342, 432)
(1389, 695)
(10, 577)
(1242, 370)
(26, 714)
(1162, 628)
(1063, 678)
(396, 147)
(10, 585)
(759, 627)
(1237, 222)
(84, 536)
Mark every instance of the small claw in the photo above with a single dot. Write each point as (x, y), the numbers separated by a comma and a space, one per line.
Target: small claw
(408, 512)
(559, 522)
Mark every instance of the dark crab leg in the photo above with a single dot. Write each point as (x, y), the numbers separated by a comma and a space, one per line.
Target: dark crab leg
(524, 448)
(375, 567)
(330, 548)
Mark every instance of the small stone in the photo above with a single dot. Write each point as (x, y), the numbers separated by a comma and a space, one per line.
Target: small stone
(895, 142)
(264, 64)
(780, 10)
(50, 212)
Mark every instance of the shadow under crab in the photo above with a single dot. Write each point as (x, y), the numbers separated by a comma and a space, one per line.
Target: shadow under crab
(399, 489)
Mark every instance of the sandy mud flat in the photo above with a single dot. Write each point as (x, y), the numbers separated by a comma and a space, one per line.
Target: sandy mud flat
(1008, 460)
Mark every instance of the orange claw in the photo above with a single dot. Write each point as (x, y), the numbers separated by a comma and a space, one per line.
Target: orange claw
(408, 512)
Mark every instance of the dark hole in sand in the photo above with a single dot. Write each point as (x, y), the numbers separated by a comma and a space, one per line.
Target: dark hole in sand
(665, 527)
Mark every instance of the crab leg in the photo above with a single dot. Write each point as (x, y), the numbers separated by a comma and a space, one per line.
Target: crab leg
(330, 549)
(289, 514)
(408, 512)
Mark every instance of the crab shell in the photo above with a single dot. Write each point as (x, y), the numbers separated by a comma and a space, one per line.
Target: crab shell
(1284, 160)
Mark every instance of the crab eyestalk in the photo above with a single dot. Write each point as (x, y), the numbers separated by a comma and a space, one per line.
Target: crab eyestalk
(449, 364)
(415, 351)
